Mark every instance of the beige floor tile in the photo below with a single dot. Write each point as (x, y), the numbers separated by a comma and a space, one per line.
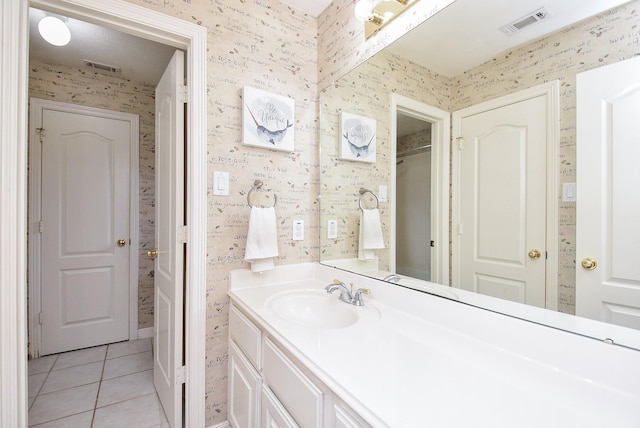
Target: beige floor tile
(126, 365)
(56, 405)
(42, 364)
(73, 376)
(80, 357)
(82, 420)
(141, 412)
(128, 348)
(125, 388)
(35, 383)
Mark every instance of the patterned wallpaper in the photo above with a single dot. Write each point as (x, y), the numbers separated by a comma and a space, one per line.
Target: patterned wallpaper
(92, 89)
(366, 91)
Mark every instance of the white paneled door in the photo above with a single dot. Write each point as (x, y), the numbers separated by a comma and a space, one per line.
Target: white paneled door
(85, 242)
(500, 244)
(168, 371)
(608, 201)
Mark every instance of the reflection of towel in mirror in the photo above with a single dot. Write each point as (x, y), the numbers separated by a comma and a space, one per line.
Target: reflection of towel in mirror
(262, 239)
(370, 234)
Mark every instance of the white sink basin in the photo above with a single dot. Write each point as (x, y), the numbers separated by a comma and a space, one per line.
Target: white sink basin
(318, 310)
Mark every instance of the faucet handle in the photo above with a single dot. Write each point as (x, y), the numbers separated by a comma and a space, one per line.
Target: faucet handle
(357, 298)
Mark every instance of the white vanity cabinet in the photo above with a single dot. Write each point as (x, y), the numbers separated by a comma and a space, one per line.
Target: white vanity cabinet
(268, 388)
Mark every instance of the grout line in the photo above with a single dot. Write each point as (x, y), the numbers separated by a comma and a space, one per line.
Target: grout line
(95, 406)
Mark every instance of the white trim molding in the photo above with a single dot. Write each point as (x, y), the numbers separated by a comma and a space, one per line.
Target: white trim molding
(142, 22)
(440, 159)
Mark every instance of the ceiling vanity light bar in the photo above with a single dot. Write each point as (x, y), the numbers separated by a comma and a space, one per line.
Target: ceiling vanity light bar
(376, 14)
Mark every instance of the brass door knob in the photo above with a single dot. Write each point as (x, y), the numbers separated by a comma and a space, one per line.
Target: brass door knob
(589, 263)
(121, 242)
(534, 254)
(152, 254)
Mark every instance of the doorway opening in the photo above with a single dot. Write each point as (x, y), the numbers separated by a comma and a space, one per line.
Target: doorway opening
(148, 24)
(410, 121)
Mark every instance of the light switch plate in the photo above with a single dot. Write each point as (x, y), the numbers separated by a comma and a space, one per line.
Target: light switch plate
(382, 193)
(298, 230)
(569, 192)
(220, 183)
(332, 229)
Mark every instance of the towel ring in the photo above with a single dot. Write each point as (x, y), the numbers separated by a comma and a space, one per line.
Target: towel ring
(257, 185)
(362, 191)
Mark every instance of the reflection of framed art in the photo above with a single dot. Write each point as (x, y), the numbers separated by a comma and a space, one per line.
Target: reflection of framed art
(267, 120)
(357, 138)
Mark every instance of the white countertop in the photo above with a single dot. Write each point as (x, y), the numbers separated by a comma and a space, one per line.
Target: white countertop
(428, 361)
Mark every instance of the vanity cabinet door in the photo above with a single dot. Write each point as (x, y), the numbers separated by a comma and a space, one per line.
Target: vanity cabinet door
(297, 393)
(273, 414)
(343, 417)
(244, 391)
(246, 335)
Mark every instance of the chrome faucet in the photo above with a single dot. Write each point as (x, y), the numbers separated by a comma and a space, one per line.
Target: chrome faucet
(346, 294)
(392, 278)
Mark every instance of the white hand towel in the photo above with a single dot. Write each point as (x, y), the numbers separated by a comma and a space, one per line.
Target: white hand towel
(262, 239)
(370, 234)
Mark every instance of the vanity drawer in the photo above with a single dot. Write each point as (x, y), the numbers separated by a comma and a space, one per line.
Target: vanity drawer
(246, 335)
(301, 397)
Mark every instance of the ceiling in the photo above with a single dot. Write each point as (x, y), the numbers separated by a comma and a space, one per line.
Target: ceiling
(139, 59)
(467, 32)
(468, 28)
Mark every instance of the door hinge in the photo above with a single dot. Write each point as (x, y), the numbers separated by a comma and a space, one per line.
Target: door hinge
(182, 94)
(40, 318)
(183, 233)
(181, 375)
(40, 226)
(460, 141)
(460, 229)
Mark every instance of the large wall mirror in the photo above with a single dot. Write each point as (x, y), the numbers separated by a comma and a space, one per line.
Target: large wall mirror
(396, 177)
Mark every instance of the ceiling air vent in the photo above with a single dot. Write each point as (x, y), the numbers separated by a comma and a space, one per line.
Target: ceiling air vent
(101, 67)
(525, 21)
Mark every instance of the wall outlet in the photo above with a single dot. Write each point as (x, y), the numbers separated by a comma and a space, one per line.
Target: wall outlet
(382, 193)
(298, 230)
(332, 229)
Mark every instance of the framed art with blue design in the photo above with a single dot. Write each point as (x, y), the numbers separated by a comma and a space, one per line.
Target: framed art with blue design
(357, 138)
(267, 120)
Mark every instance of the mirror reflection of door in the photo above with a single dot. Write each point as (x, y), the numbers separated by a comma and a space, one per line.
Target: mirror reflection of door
(413, 197)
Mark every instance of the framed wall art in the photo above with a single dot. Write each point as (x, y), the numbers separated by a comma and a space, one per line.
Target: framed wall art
(267, 120)
(357, 138)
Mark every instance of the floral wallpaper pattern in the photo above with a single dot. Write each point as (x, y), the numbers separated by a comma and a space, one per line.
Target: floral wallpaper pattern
(89, 88)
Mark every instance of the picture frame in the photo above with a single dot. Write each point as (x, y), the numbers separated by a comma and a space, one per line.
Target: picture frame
(357, 138)
(267, 120)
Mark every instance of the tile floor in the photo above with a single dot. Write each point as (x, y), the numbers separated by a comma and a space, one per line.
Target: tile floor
(106, 386)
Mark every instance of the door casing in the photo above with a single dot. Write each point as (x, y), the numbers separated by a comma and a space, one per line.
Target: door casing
(549, 90)
(440, 136)
(141, 22)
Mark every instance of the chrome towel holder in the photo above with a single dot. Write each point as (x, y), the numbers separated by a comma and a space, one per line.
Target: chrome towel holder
(258, 185)
(362, 191)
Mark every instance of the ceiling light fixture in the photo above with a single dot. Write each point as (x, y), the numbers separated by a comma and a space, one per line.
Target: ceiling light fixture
(376, 14)
(54, 31)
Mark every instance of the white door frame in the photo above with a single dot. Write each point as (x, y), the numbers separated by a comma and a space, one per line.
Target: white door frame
(440, 139)
(551, 91)
(36, 109)
(141, 22)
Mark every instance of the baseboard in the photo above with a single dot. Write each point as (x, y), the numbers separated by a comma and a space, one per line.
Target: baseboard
(224, 424)
(143, 333)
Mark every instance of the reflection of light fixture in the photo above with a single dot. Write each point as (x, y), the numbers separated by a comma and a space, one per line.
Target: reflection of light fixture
(54, 31)
(377, 13)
